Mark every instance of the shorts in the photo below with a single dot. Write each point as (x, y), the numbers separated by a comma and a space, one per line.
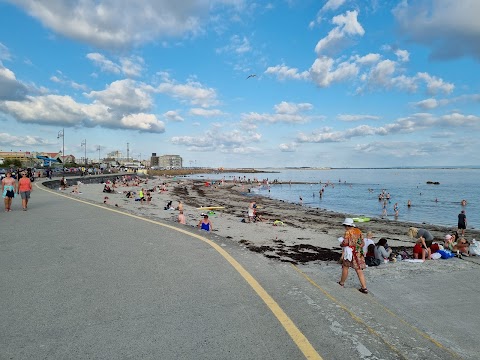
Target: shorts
(25, 194)
(9, 193)
(462, 226)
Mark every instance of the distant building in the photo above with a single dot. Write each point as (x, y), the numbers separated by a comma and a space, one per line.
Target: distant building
(170, 161)
(166, 161)
(25, 157)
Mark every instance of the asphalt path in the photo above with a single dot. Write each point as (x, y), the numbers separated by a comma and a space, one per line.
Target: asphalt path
(85, 281)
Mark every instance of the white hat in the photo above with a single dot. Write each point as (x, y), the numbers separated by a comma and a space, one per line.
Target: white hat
(448, 237)
(348, 222)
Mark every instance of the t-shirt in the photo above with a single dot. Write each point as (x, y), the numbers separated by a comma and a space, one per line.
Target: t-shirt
(425, 234)
(24, 184)
(367, 242)
(461, 218)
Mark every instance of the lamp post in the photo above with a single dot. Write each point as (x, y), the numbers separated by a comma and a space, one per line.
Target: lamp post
(84, 144)
(98, 149)
(61, 134)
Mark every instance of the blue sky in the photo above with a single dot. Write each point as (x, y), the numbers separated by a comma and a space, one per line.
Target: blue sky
(338, 83)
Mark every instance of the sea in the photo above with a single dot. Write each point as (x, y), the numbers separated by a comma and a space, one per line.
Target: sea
(356, 191)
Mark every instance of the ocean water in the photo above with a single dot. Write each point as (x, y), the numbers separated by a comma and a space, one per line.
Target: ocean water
(355, 191)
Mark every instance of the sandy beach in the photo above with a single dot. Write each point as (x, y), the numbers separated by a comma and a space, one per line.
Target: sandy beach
(307, 236)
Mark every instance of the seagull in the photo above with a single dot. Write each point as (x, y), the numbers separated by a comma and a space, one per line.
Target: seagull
(251, 76)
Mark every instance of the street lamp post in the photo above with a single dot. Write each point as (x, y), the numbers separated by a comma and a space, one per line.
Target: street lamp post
(84, 144)
(61, 134)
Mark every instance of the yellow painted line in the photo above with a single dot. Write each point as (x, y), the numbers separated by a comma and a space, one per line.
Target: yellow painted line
(360, 321)
(295, 334)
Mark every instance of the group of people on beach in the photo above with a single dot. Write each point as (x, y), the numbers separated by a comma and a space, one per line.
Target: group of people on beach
(10, 186)
(426, 246)
(359, 252)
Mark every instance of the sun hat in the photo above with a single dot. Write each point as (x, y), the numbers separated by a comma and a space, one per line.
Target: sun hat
(348, 222)
(448, 237)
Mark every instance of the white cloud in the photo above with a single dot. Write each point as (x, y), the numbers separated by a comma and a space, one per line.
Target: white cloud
(431, 103)
(332, 5)
(4, 53)
(367, 60)
(10, 87)
(238, 45)
(64, 111)
(215, 140)
(62, 79)
(142, 122)
(449, 27)
(284, 72)
(410, 124)
(427, 104)
(122, 23)
(347, 25)
(192, 92)
(403, 55)
(284, 113)
(350, 117)
(173, 115)
(103, 63)
(290, 147)
(206, 112)
(129, 66)
(325, 72)
(124, 96)
(291, 108)
(435, 85)
(7, 139)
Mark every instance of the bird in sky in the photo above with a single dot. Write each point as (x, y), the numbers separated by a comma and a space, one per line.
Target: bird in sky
(251, 76)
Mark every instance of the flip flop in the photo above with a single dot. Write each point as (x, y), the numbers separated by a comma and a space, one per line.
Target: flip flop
(339, 283)
(364, 291)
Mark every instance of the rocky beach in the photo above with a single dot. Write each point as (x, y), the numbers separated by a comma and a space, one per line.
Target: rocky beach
(307, 236)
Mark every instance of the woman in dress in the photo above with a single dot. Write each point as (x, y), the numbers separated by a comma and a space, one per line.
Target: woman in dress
(352, 245)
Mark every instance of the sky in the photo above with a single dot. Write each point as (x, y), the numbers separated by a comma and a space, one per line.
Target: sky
(240, 83)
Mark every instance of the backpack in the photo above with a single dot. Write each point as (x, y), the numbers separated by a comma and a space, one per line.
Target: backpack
(372, 261)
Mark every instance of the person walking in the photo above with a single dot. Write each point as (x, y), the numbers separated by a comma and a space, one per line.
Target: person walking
(9, 187)
(352, 254)
(24, 189)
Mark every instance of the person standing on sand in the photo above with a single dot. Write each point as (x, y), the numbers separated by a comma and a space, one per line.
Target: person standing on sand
(462, 222)
(251, 211)
(24, 189)
(352, 245)
(181, 218)
(9, 187)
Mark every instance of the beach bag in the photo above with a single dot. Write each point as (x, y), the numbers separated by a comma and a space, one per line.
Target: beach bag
(371, 261)
(446, 254)
(475, 248)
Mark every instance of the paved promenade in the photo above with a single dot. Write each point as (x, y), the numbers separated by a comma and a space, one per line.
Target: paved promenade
(84, 281)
